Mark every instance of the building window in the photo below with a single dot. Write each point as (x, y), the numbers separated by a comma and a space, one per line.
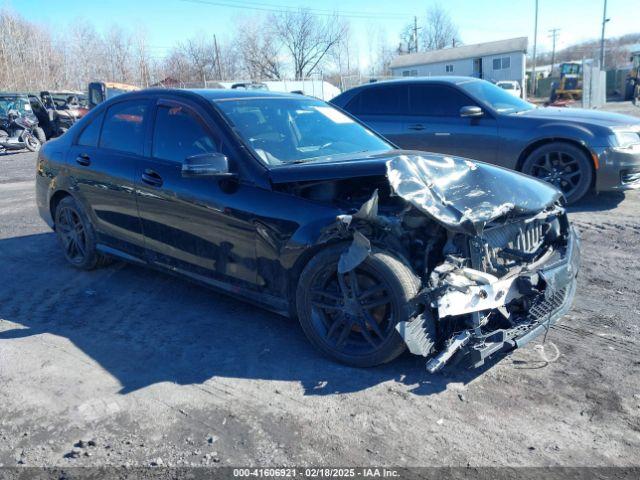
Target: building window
(448, 68)
(501, 63)
(410, 73)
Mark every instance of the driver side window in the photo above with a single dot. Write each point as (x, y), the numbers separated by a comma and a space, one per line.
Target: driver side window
(178, 134)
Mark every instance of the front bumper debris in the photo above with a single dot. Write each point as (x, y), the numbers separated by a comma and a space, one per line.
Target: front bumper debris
(471, 347)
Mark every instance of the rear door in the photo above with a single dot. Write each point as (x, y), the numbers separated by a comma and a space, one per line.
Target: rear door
(103, 163)
(436, 125)
(382, 108)
(194, 225)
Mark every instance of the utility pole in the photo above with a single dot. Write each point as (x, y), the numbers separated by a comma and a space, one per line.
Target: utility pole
(215, 45)
(535, 44)
(604, 22)
(553, 33)
(415, 33)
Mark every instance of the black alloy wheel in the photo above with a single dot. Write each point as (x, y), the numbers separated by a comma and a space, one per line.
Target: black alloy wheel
(563, 165)
(77, 236)
(353, 311)
(352, 316)
(72, 235)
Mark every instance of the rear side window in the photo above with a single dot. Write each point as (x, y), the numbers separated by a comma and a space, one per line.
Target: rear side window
(178, 134)
(123, 127)
(382, 100)
(437, 101)
(91, 133)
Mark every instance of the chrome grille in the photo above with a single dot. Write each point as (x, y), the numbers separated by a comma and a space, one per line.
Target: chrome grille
(530, 238)
(521, 237)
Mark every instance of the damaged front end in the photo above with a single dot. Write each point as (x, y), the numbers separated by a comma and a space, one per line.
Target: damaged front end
(498, 290)
(494, 250)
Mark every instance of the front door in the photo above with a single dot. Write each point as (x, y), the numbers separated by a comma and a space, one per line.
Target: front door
(435, 124)
(193, 225)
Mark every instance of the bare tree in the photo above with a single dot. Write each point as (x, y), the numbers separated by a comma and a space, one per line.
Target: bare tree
(407, 39)
(201, 54)
(342, 53)
(259, 50)
(307, 39)
(439, 30)
(118, 45)
(84, 46)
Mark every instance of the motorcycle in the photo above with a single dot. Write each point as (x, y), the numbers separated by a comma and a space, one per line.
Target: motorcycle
(17, 133)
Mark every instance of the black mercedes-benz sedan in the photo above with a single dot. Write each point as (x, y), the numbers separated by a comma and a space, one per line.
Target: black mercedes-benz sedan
(574, 149)
(291, 204)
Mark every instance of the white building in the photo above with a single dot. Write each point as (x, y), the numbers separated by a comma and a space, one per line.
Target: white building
(493, 61)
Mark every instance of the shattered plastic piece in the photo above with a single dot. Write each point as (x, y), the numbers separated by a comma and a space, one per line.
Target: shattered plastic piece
(463, 195)
(369, 209)
(419, 335)
(357, 252)
(459, 341)
(475, 291)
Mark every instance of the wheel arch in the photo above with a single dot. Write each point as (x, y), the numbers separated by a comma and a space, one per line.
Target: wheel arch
(55, 200)
(570, 141)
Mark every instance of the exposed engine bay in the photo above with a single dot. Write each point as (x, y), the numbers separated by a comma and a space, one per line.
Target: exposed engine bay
(496, 269)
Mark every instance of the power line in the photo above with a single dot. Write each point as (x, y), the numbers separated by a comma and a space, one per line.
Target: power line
(275, 8)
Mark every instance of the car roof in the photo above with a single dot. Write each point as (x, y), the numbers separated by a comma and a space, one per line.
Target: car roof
(218, 94)
(227, 94)
(453, 80)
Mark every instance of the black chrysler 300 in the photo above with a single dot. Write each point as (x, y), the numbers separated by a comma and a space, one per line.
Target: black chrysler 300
(574, 149)
(289, 203)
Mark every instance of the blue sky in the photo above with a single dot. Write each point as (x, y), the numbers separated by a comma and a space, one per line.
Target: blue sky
(166, 22)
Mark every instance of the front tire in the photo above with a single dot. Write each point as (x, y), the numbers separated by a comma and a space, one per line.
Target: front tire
(77, 236)
(563, 165)
(31, 142)
(352, 317)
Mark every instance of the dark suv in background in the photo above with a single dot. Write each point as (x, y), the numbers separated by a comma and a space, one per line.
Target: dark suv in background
(574, 149)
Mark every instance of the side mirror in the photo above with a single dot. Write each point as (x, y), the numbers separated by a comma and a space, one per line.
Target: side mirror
(206, 165)
(471, 111)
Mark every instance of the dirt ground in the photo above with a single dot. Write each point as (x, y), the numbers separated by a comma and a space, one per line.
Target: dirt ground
(142, 368)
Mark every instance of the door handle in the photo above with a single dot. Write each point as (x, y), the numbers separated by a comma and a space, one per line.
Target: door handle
(83, 159)
(151, 177)
(416, 126)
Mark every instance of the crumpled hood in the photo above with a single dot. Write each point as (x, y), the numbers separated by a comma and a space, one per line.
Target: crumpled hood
(462, 194)
(465, 195)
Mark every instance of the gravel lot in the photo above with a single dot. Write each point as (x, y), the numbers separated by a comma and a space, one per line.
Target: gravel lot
(148, 369)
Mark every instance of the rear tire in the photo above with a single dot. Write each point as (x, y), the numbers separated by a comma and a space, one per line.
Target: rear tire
(77, 236)
(563, 165)
(328, 316)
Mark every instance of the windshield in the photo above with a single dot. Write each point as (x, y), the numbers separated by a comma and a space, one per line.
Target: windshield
(287, 130)
(495, 97)
(20, 104)
(506, 86)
